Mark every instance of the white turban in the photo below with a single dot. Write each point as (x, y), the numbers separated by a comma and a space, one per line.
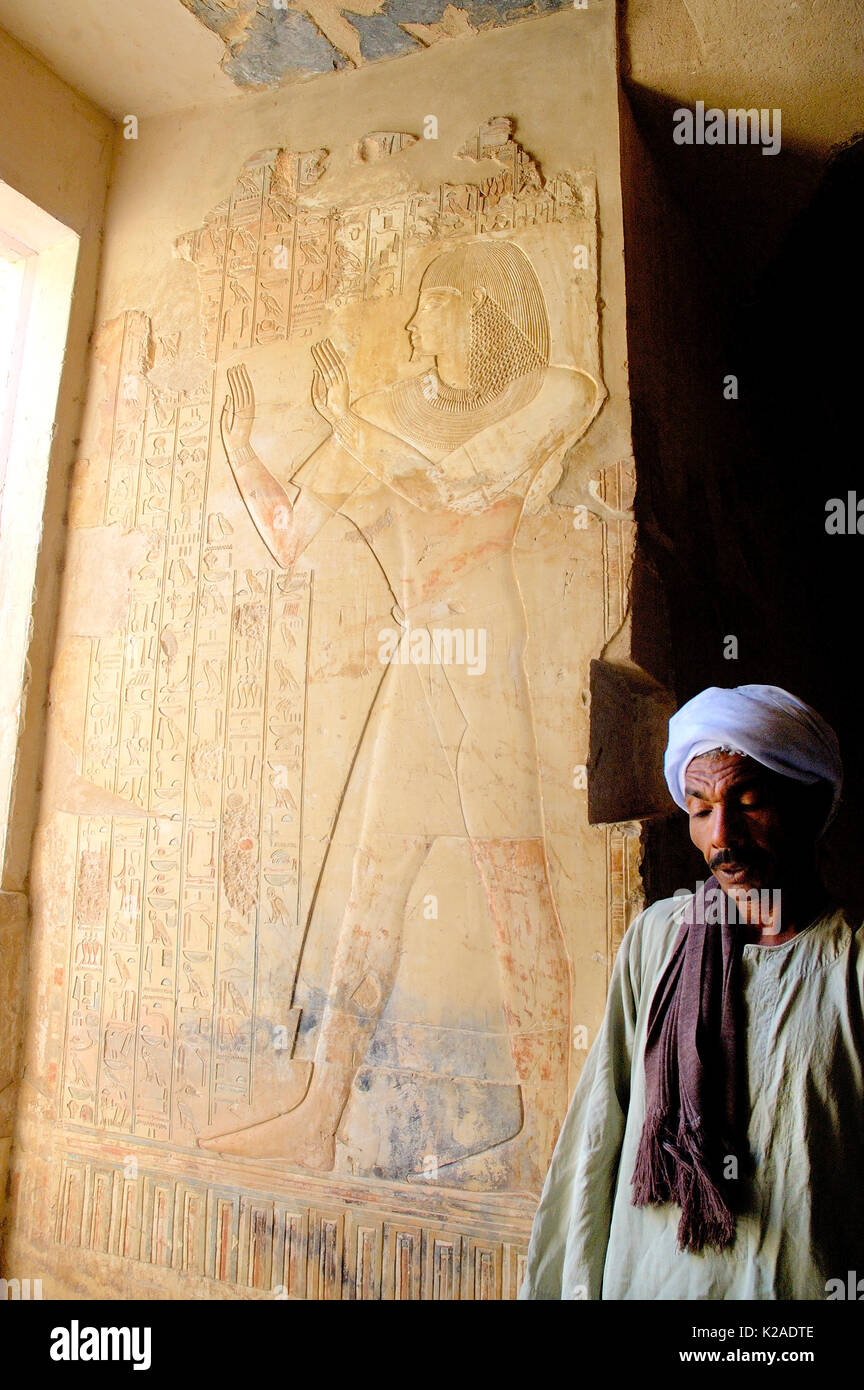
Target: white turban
(762, 721)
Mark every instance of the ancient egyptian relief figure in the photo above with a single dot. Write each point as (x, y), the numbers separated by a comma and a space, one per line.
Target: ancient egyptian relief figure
(435, 471)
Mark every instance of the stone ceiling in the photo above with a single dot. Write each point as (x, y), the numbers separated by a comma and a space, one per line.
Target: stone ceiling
(269, 41)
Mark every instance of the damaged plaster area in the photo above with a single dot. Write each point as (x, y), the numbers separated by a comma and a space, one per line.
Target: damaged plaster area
(269, 41)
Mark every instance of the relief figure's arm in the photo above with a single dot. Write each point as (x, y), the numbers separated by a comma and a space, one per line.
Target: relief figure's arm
(387, 457)
(529, 444)
(286, 517)
(554, 420)
(472, 476)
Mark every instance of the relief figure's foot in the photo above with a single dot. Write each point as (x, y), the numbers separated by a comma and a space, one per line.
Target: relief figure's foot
(305, 1136)
(287, 1138)
(268, 1102)
(508, 1167)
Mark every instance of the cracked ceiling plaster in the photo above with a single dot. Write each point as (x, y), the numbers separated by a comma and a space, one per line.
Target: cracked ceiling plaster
(271, 41)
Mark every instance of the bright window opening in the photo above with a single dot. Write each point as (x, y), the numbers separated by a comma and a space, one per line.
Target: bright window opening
(38, 256)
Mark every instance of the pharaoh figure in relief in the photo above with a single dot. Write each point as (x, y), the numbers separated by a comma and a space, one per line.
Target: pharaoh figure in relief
(435, 470)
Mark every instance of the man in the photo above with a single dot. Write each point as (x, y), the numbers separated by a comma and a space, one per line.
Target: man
(714, 1148)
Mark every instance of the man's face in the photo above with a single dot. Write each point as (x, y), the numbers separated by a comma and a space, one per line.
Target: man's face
(743, 820)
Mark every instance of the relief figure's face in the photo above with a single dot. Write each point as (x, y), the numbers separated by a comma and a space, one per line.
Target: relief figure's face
(441, 328)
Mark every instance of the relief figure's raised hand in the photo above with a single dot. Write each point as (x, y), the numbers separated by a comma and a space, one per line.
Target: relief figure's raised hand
(331, 393)
(238, 413)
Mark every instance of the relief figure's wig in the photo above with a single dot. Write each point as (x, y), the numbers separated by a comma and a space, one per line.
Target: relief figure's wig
(510, 327)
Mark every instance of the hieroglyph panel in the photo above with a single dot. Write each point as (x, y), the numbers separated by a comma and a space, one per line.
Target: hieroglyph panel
(272, 259)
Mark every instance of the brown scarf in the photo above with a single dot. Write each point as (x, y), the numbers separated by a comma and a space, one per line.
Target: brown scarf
(694, 1079)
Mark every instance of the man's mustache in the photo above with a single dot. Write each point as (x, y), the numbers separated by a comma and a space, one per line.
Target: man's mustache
(740, 858)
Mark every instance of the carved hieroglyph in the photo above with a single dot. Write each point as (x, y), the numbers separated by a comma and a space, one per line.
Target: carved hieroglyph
(255, 868)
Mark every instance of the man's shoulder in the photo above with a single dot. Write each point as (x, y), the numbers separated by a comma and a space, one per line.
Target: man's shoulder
(661, 918)
(651, 936)
(840, 927)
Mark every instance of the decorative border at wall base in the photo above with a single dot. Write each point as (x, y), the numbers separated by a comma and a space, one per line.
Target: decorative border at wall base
(294, 1247)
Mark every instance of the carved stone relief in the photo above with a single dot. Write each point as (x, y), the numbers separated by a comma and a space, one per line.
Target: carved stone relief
(300, 856)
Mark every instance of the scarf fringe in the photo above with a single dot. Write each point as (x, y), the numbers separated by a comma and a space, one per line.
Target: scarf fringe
(654, 1170)
(706, 1219)
(671, 1169)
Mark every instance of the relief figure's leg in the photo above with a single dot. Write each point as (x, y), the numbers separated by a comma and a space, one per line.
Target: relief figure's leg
(364, 967)
(535, 980)
(500, 795)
